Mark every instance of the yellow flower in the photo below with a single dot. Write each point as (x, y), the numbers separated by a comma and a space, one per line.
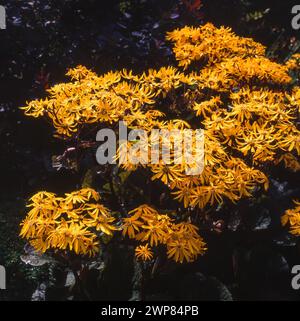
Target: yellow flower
(131, 226)
(90, 194)
(66, 223)
(184, 243)
(294, 62)
(183, 194)
(207, 107)
(179, 251)
(101, 218)
(143, 252)
(35, 108)
(40, 244)
(144, 212)
(152, 232)
(28, 228)
(202, 195)
(43, 197)
(95, 210)
(291, 142)
(79, 72)
(73, 237)
(76, 197)
(166, 173)
(210, 44)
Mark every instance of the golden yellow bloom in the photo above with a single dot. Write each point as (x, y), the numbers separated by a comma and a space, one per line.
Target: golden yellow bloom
(207, 107)
(143, 252)
(183, 194)
(131, 225)
(153, 233)
(294, 62)
(35, 108)
(203, 195)
(71, 236)
(67, 223)
(167, 174)
(210, 43)
(100, 218)
(144, 211)
(185, 249)
(184, 243)
(81, 196)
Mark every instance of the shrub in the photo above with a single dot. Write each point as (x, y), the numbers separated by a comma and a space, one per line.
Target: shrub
(247, 105)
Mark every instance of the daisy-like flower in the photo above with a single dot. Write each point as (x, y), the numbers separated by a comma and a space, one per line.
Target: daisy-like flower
(166, 173)
(76, 197)
(101, 219)
(144, 212)
(131, 226)
(143, 252)
(153, 233)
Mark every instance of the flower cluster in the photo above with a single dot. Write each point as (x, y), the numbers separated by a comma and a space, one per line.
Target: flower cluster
(246, 104)
(71, 223)
(294, 62)
(182, 145)
(90, 99)
(147, 225)
(211, 44)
